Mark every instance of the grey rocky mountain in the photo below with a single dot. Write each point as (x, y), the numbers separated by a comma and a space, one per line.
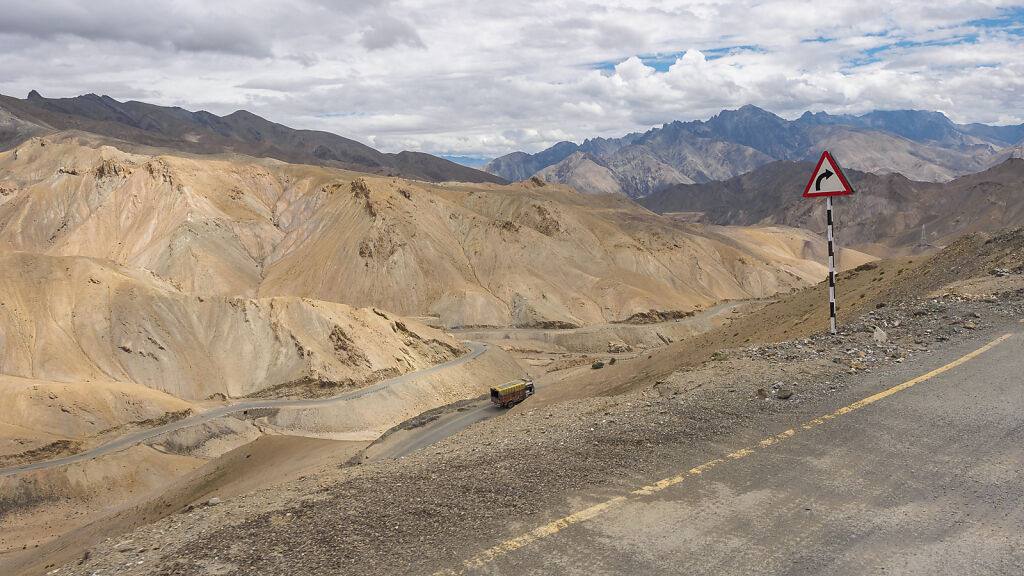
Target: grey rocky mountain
(922, 145)
(883, 217)
(205, 133)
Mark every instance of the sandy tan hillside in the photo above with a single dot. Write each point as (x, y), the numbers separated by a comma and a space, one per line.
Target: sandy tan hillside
(131, 279)
(525, 254)
(72, 319)
(65, 198)
(91, 350)
(960, 272)
(56, 417)
(87, 346)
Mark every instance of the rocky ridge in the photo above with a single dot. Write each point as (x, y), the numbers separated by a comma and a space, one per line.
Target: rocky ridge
(885, 216)
(139, 124)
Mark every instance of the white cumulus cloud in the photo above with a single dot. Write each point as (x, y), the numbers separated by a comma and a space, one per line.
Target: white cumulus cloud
(486, 78)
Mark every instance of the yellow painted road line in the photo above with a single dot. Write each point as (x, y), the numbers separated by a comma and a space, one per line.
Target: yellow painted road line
(546, 530)
(535, 534)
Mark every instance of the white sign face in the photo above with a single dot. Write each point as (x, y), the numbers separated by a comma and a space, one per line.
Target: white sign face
(828, 179)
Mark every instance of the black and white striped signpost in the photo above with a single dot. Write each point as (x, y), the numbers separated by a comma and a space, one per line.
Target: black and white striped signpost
(831, 268)
(828, 181)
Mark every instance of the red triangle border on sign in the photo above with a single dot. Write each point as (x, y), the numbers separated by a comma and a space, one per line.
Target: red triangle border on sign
(835, 166)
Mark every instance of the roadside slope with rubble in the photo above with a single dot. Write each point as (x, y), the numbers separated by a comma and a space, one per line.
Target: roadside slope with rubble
(977, 266)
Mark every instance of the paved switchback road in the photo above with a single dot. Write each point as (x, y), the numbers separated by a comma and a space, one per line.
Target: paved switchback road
(432, 433)
(925, 477)
(128, 440)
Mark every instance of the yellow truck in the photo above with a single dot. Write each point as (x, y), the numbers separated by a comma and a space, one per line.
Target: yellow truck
(510, 394)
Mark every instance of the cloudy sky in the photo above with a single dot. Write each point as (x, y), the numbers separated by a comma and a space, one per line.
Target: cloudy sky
(484, 78)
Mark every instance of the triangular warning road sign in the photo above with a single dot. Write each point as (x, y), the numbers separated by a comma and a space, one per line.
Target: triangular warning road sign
(828, 179)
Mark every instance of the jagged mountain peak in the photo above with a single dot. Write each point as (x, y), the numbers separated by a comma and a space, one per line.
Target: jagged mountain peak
(916, 125)
(747, 111)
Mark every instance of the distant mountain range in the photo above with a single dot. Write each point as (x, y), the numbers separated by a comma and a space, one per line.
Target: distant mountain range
(205, 133)
(921, 145)
(885, 216)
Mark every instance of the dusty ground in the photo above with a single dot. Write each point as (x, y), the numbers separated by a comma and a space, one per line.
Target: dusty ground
(266, 461)
(73, 499)
(539, 347)
(965, 266)
(504, 476)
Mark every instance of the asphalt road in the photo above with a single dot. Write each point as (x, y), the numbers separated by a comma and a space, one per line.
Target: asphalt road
(919, 475)
(406, 442)
(476, 349)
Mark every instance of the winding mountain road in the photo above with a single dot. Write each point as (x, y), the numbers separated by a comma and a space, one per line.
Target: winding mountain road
(399, 445)
(431, 434)
(476, 349)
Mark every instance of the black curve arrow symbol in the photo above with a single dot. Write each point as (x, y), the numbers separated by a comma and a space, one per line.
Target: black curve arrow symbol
(824, 176)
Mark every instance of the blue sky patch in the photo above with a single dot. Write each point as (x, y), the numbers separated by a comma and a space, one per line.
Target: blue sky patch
(714, 53)
(662, 62)
(1010, 21)
(876, 54)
